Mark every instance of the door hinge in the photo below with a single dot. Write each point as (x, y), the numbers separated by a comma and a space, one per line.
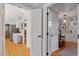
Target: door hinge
(47, 33)
(47, 53)
(47, 13)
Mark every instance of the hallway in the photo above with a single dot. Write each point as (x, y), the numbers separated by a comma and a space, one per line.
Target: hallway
(42, 29)
(12, 49)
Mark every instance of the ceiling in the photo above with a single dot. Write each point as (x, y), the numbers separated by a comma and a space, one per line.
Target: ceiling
(69, 9)
(13, 13)
(29, 5)
(65, 9)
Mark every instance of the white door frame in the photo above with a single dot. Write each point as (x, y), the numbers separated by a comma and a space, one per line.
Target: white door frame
(78, 30)
(3, 29)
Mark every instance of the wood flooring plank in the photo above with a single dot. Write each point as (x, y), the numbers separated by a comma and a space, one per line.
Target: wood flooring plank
(12, 49)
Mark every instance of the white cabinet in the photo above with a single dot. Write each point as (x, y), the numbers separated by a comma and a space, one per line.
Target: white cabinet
(17, 37)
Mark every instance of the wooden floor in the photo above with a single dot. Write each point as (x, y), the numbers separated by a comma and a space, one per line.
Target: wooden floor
(67, 44)
(12, 49)
(57, 52)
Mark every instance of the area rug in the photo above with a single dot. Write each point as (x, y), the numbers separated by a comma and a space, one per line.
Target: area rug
(69, 51)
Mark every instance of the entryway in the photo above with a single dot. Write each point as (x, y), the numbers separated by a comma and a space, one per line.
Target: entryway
(62, 28)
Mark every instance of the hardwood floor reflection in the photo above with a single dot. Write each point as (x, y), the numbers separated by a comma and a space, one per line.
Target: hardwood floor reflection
(12, 49)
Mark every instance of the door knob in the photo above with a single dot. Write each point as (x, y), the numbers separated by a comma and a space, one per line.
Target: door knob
(39, 36)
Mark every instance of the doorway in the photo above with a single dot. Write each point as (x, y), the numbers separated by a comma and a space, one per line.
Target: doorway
(62, 29)
(15, 31)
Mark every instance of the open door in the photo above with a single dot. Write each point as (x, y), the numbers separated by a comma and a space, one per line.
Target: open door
(36, 40)
(52, 40)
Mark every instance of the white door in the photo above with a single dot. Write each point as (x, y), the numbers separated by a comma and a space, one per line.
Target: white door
(53, 31)
(36, 32)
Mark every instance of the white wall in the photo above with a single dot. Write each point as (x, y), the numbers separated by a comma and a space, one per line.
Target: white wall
(12, 13)
(2, 10)
(71, 26)
(72, 36)
(71, 19)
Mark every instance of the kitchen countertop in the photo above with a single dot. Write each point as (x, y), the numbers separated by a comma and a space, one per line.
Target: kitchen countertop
(17, 37)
